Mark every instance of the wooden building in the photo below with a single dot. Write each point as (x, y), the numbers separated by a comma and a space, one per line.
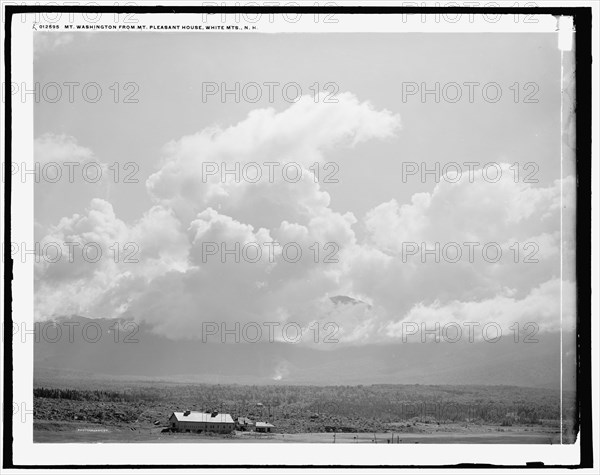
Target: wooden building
(264, 427)
(191, 421)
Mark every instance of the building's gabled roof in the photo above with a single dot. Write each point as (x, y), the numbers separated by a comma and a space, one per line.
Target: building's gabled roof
(203, 417)
(263, 425)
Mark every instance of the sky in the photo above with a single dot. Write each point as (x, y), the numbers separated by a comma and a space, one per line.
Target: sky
(371, 133)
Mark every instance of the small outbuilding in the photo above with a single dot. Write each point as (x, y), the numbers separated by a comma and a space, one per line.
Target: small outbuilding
(264, 427)
(243, 423)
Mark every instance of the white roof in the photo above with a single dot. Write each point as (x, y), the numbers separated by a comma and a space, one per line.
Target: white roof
(203, 417)
(264, 424)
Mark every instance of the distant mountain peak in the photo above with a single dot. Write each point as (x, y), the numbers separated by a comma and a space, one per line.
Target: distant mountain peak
(344, 299)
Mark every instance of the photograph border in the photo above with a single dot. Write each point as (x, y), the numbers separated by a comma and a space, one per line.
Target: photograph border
(582, 17)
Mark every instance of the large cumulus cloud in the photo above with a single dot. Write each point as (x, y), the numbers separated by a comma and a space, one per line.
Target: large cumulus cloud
(177, 286)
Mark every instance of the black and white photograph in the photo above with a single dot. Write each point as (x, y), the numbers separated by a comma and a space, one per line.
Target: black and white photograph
(265, 228)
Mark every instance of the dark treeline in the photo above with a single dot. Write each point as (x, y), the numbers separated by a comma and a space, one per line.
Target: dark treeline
(379, 402)
(94, 395)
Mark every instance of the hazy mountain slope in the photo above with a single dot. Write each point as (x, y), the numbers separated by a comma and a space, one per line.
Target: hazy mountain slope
(154, 356)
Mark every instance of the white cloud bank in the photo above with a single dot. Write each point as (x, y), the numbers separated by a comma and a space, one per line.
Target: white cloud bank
(176, 287)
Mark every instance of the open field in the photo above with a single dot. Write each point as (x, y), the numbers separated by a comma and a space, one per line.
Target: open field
(48, 432)
(138, 412)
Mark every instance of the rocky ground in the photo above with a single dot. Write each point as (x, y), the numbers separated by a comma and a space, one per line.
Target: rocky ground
(148, 415)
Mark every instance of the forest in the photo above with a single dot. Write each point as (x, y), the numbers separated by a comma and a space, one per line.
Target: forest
(306, 408)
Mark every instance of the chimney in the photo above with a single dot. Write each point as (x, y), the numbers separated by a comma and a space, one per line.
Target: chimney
(186, 413)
